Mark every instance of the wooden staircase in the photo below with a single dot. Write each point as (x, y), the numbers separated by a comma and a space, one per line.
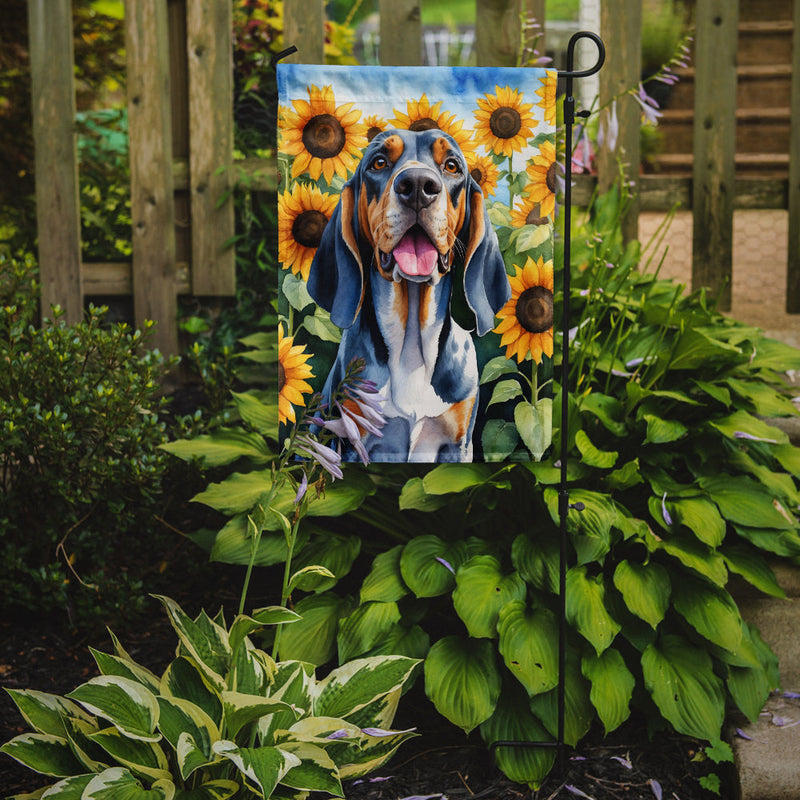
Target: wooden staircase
(762, 103)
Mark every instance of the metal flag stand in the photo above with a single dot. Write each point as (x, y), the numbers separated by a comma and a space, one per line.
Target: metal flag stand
(564, 505)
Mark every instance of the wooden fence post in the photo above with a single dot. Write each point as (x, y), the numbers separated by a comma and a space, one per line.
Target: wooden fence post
(793, 266)
(210, 55)
(717, 24)
(400, 28)
(621, 28)
(152, 200)
(56, 161)
(500, 35)
(304, 27)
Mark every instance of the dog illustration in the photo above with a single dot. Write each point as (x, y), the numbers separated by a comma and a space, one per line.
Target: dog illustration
(410, 216)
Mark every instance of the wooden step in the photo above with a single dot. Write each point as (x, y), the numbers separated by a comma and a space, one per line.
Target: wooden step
(767, 165)
(763, 42)
(754, 10)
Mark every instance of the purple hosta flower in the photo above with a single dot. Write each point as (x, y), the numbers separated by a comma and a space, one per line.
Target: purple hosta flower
(649, 106)
(577, 792)
(608, 131)
(301, 489)
(425, 797)
(376, 779)
(624, 761)
(752, 438)
(742, 735)
(664, 512)
(346, 428)
(791, 695)
(445, 563)
(582, 155)
(369, 404)
(327, 458)
(655, 787)
(342, 733)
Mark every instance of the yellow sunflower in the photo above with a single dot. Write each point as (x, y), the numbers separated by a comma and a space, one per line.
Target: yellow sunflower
(548, 94)
(526, 320)
(504, 121)
(325, 138)
(484, 171)
(422, 116)
(543, 172)
(303, 214)
(292, 372)
(527, 212)
(374, 125)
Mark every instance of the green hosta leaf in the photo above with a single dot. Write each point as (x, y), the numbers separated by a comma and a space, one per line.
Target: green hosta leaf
(334, 553)
(766, 400)
(237, 493)
(145, 759)
(745, 502)
(782, 543)
(481, 591)
(355, 685)
(608, 410)
(586, 608)
(683, 685)
(645, 588)
(313, 638)
(709, 610)
(701, 517)
(261, 416)
(44, 753)
(365, 627)
(424, 565)
(414, 497)
(45, 712)
(183, 680)
(601, 459)
(694, 554)
(753, 567)
(233, 544)
(117, 783)
(771, 354)
(714, 390)
(496, 368)
(462, 680)
(242, 709)
(626, 476)
(663, 431)
(578, 710)
(695, 349)
(597, 517)
(535, 425)
(529, 645)
(740, 422)
(512, 721)
(125, 668)
(537, 561)
(127, 705)
(399, 640)
(499, 439)
(385, 582)
(788, 455)
(612, 687)
(505, 391)
(749, 688)
(316, 772)
(454, 478)
(263, 766)
(223, 446)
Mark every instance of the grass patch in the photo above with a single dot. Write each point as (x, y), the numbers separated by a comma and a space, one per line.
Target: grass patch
(462, 12)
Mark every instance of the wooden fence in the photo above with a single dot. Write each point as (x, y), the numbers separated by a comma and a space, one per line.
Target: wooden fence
(181, 133)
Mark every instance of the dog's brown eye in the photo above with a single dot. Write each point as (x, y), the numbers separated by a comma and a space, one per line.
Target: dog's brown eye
(452, 166)
(379, 162)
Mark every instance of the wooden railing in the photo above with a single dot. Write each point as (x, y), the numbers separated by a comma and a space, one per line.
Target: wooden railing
(181, 133)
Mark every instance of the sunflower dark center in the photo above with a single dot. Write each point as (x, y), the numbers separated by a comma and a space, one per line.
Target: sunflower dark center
(308, 227)
(372, 133)
(505, 122)
(552, 172)
(534, 309)
(423, 124)
(535, 216)
(324, 136)
(281, 376)
(477, 174)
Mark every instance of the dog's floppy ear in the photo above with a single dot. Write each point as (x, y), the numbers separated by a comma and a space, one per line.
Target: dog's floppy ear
(486, 284)
(336, 278)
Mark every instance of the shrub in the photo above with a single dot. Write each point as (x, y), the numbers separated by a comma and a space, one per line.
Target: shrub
(79, 429)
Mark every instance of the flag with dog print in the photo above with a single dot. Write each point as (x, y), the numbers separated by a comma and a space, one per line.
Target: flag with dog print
(415, 216)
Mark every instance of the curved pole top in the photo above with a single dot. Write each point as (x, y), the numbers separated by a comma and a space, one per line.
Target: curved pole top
(570, 72)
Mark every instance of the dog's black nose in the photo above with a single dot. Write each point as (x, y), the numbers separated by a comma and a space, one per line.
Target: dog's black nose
(417, 187)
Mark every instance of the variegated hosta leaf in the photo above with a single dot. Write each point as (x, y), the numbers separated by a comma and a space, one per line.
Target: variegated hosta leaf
(294, 685)
(212, 790)
(683, 685)
(145, 759)
(262, 766)
(244, 625)
(529, 645)
(68, 789)
(242, 709)
(179, 718)
(183, 679)
(45, 712)
(252, 670)
(358, 683)
(316, 771)
(117, 783)
(373, 753)
(612, 686)
(126, 704)
(44, 753)
(205, 642)
(481, 591)
(78, 733)
(462, 680)
(513, 721)
(586, 608)
(646, 589)
(125, 668)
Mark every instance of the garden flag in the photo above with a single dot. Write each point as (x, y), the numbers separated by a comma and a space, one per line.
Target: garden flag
(415, 218)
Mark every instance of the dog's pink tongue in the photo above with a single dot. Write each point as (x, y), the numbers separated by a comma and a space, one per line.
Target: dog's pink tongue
(415, 255)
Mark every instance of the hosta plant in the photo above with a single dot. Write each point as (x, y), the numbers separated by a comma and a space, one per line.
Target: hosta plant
(224, 720)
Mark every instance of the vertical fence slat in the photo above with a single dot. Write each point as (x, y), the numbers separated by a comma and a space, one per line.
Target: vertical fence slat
(498, 32)
(152, 201)
(210, 54)
(793, 266)
(304, 27)
(717, 23)
(56, 163)
(621, 28)
(401, 33)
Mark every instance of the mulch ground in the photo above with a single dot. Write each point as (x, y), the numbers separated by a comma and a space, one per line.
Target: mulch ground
(45, 654)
